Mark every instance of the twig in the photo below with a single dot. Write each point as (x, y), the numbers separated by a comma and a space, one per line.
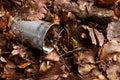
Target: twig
(75, 50)
(62, 59)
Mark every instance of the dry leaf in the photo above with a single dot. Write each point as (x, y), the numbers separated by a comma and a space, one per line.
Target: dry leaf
(99, 37)
(85, 69)
(24, 65)
(113, 31)
(3, 59)
(65, 5)
(4, 21)
(44, 66)
(92, 35)
(96, 37)
(10, 64)
(113, 72)
(53, 56)
(37, 11)
(98, 74)
(18, 50)
(2, 11)
(110, 47)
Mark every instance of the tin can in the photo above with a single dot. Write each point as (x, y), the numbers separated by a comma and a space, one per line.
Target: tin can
(38, 32)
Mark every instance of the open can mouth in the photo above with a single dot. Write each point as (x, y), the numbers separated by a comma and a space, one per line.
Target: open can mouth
(50, 38)
(41, 34)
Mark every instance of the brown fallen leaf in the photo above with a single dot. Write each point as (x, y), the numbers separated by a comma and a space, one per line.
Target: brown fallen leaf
(18, 50)
(113, 72)
(10, 64)
(113, 31)
(110, 47)
(85, 5)
(92, 35)
(38, 10)
(24, 65)
(53, 56)
(2, 11)
(99, 37)
(3, 59)
(98, 74)
(4, 21)
(85, 69)
(53, 73)
(65, 5)
(2, 42)
(44, 66)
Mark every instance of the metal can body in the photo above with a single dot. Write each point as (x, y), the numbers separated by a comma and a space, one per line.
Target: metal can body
(35, 31)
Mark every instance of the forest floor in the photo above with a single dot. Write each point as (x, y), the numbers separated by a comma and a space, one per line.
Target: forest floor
(87, 47)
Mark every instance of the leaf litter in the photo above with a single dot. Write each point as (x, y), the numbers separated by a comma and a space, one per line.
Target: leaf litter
(88, 46)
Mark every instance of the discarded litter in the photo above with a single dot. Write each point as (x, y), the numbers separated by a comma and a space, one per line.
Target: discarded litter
(36, 32)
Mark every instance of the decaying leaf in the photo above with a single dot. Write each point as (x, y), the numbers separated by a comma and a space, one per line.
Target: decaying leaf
(86, 62)
(110, 47)
(44, 66)
(53, 73)
(98, 74)
(53, 56)
(113, 72)
(24, 65)
(2, 11)
(65, 5)
(99, 37)
(4, 21)
(10, 64)
(113, 31)
(2, 42)
(85, 5)
(3, 59)
(18, 50)
(96, 36)
(91, 33)
(37, 11)
(85, 69)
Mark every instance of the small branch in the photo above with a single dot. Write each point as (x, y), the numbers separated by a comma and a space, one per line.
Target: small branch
(75, 50)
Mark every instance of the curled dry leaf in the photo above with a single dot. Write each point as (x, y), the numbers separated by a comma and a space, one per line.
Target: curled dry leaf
(24, 65)
(96, 36)
(109, 48)
(113, 31)
(85, 58)
(3, 59)
(98, 74)
(85, 5)
(116, 57)
(99, 37)
(91, 33)
(18, 50)
(53, 56)
(44, 66)
(2, 11)
(85, 69)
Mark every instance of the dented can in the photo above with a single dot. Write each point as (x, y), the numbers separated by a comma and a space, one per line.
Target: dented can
(39, 33)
